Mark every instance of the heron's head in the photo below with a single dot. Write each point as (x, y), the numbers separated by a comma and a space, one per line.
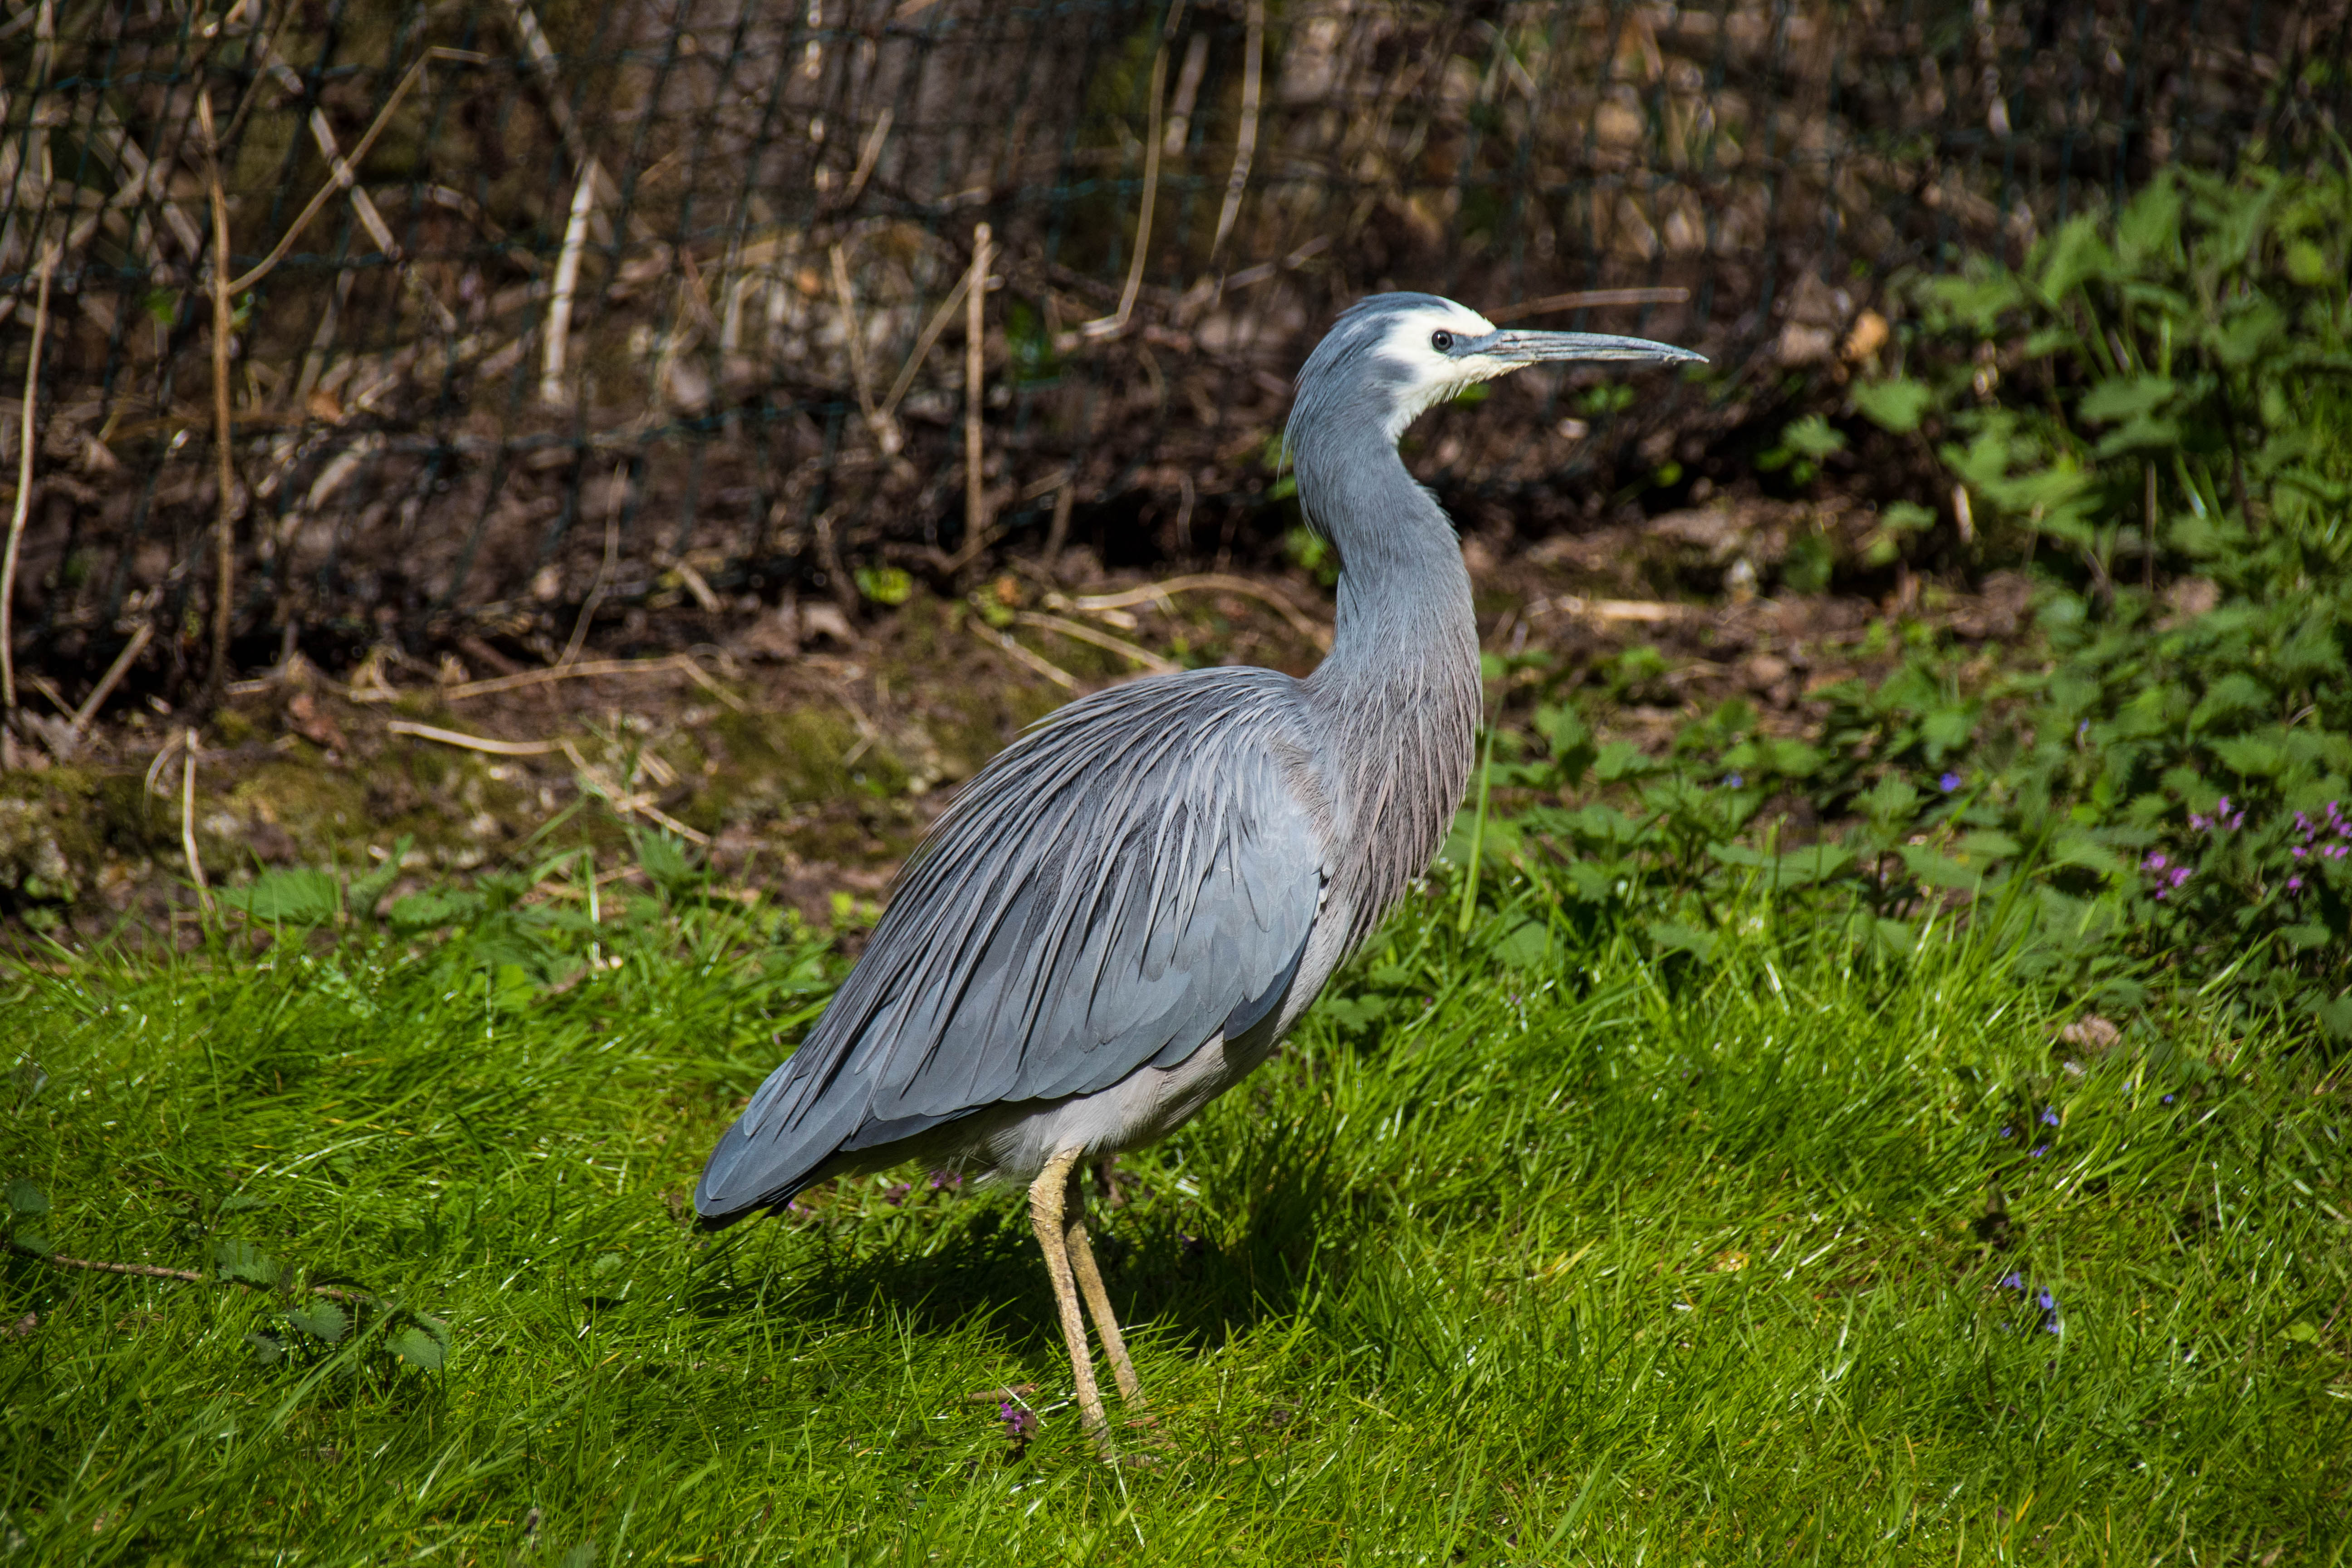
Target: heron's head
(1393, 356)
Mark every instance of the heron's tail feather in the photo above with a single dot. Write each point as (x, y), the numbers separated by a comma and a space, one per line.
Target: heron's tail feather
(766, 1170)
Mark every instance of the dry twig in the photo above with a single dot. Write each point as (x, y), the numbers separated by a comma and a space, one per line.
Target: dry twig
(357, 157)
(1036, 661)
(567, 283)
(188, 820)
(473, 742)
(24, 503)
(885, 428)
(1210, 581)
(1245, 137)
(593, 779)
(604, 574)
(593, 668)
(1083, 633)
(141, 636)
(184, 1276)
(868, 155)
(224, 524)
(1641, 611)
(975, 503)
(1116, 323)
(923, 341)
(1587, 298)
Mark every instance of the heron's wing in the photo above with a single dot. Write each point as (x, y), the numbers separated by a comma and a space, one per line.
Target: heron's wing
(1133, 879)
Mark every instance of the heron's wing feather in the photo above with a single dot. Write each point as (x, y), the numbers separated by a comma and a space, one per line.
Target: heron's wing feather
(1126, 882)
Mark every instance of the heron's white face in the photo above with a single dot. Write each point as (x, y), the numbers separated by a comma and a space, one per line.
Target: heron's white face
(1417, 350)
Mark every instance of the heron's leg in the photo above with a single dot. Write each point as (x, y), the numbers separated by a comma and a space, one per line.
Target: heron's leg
(1090, 1284)
(1047, 1195)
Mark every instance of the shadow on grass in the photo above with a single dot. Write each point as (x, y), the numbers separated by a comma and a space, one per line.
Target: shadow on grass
(1194, 1278)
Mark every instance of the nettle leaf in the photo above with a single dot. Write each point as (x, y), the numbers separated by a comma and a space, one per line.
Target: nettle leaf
(2234, 693)
(2148, 229)
(2251, 756)
(1669, 937)
(434, 907)
(1813, 437)
(271, 1348)
(1988, 845)
(1814, 863)
(1979, 300)
(2127, 398)
(1889, 800)
(29, 1239)
(1946, 730)
(424, 1344)
(1622, 760)
(25, 1197)
(2308, 265)
(300, 896)
(2141, 434)
(1787, 759)
(1573, 750)
(367, 891)
(2250, 334)
(2074, 849)
(2073, 255)
(1896, 405)
(1798, 869)
(1524, 945)
(241, 1260)
(321, 1320)
(1938, 871)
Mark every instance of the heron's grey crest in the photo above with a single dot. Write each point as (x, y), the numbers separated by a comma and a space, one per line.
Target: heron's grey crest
(1121, 914)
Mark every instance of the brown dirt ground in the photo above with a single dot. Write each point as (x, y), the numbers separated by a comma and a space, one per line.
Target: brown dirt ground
(809, 754)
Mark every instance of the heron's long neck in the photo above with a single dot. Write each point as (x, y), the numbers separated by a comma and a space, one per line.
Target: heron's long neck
(1398, 696)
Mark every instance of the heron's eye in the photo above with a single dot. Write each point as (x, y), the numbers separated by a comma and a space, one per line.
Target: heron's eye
(1443, 342)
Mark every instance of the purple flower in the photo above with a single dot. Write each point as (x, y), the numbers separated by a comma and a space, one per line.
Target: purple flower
(1949, 782)
(2201, 823)
(2009, 1132)
(2037, 1151)
(2167, 1099)
(2155, 861)
(2336, 851)
(2295, 884)
(2013, 1280)
(1733, 781)
(896, 1192)
(946, 1179)
(1019, 1422)
(2049, 1118)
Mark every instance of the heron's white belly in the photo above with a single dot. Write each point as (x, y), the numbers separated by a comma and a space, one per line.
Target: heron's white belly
(1142, 1108)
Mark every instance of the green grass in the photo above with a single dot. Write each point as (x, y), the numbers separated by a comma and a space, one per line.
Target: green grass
(1618, 1262)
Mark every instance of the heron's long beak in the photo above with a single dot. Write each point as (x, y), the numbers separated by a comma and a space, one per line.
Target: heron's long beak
(1514, 349)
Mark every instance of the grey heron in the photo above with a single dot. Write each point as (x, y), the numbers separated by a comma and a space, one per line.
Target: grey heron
(1124, 911)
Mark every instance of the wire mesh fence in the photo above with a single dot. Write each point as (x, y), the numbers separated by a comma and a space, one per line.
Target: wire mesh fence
(641, 321)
